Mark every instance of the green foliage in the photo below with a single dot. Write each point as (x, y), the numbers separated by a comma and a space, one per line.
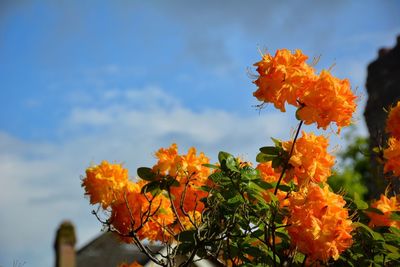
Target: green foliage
(354, 168)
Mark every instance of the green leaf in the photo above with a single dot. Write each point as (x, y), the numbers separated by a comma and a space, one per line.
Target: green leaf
(223, 156)
(297, 113)
(394, 230)
(257, 233)
(265, 185)
(273, 197)
(205, 188)
(261, 157)
(170, 181)
(277, 142)
(372, 233)
(282, 235)
(227, 161)
(216, 177)
(391, 248)
(211, 166)
(376, 150)
(375, 210)
(393, 256)
(255, 187)
(276, 162)
(269, 150)
(362, 205)
(146, 174)
(237, 199)
(153, 187)
(395, 215)
(284, 188)
(249, 174)
(231, 164)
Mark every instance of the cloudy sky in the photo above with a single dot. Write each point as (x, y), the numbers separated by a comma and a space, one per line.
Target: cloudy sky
(82, 81)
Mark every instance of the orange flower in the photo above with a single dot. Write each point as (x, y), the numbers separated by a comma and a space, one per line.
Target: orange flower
(392, 156)
(188, 221)
(189, 196)
(189, 172)
(310, 160)
(269, 175)
(393, 121)
(103, 183)
(136, 213)
(182, 167)
(283, 78)
(387, 206)
(328, 99)
(319, 224)
(321, 99)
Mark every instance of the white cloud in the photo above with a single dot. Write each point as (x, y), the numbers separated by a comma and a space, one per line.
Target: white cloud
(40, 181)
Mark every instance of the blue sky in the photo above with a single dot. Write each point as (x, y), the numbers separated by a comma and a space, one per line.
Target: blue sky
(82, 81)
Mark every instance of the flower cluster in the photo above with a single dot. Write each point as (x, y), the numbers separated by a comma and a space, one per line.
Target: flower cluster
(321, 99)
(105, 183)
(167, 203)
(310, 160)
(283, 78)
(108, 185)
(386, 206)
(189, 171)
(329, 99)
(147, 215)
(319, 224)
(150, 217)
(392, 156)
(392, 153)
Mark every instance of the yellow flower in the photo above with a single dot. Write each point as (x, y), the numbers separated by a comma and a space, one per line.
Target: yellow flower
(282, 78)
(392, 156)
(104, 183)
(393, 121)
(319, 224)
(310, 160)
(386, 206)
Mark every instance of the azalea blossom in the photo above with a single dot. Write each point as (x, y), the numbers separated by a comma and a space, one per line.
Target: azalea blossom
(392, 157)
(387, 206)
(105, 183)
(310, 160)
(320, 226)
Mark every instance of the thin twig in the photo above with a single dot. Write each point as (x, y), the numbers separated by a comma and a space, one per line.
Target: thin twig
(288, 159)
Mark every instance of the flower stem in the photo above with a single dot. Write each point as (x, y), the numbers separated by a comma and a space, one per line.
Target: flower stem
(288, 159)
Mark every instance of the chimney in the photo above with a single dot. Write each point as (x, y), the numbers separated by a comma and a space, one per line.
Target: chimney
(64, 245)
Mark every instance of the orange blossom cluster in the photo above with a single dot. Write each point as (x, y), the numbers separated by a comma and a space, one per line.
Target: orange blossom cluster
(108, 185)
(310, 160)
(386, 206)
(392, 152)
(287, 78)
(189, 171)
(319, 223)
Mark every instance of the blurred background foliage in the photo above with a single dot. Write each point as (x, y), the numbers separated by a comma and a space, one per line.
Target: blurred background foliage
(353, 168)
